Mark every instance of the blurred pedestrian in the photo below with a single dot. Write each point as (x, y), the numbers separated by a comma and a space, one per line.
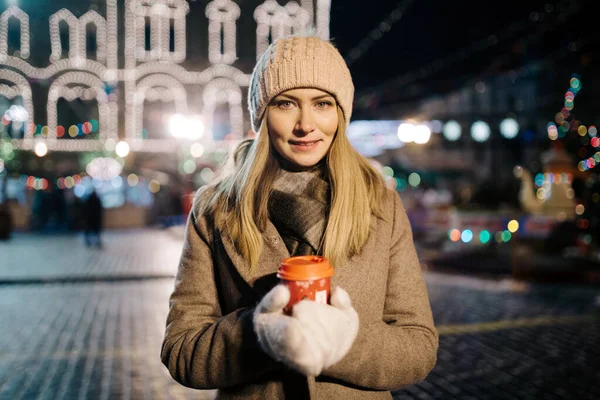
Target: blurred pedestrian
(93, 220)
(299, 189)
(6, 221)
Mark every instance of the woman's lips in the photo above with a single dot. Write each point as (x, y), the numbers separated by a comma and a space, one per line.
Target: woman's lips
(304, 145)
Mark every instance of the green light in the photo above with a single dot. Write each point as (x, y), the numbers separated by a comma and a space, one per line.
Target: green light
(95, 125)
(506, 236)
(484, 237)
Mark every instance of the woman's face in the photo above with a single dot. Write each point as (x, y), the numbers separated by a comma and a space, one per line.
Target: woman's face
(302, 124)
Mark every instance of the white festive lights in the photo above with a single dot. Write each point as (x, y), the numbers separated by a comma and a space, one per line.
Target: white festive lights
(274, 21)
(14, 12)
(151, 73)
(222, 15)
(92, 17)
(159, 15)
(323, 11)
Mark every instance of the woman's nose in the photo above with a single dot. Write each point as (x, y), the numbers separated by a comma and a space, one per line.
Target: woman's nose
(306, 122)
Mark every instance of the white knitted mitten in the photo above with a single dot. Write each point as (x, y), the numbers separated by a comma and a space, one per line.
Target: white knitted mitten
(315, 337)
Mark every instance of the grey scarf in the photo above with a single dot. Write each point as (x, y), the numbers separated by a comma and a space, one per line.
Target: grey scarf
(298, 207)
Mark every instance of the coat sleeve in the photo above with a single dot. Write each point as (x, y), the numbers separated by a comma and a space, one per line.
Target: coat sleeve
(401, 349)
(202, 348)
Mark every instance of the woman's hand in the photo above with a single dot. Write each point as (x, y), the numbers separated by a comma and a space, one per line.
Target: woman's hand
(315, 337)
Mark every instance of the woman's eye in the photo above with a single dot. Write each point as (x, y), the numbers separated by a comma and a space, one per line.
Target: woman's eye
(323, 104)
(284, 104)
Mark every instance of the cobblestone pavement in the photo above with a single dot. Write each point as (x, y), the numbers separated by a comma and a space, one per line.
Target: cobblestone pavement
(125, 254)
(77, 332)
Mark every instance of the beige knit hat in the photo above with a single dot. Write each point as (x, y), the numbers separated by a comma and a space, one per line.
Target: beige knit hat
(299, 62)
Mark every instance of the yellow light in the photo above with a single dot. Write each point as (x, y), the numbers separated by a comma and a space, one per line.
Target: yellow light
(154, 186)
(541, 193)
(73, 131)
(513, 226)
(582, 130)
(579, 209)
(133, 180)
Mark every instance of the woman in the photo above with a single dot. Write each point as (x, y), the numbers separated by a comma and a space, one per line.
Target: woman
(299, 189)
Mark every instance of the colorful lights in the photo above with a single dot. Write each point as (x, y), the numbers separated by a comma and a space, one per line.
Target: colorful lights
(466, 236)
(513, 226)
(484, 236)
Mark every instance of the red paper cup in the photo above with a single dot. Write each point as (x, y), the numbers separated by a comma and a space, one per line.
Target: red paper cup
(307, 277)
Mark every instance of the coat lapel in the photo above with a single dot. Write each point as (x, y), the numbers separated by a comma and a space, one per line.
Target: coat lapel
(274, 251)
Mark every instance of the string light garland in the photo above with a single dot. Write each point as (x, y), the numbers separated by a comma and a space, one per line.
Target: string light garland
(222, 15)
(160, 15)
(14, 12)
(276, 21)
(148, 74)
(323, 12)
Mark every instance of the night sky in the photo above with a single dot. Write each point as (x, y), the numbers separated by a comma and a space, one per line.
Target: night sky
(496, 36)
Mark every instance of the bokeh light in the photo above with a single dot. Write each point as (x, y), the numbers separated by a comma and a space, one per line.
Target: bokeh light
(454, 235)
(466, 236)
(132, 180)
(480, 131)
(452, 130)
(509, 128)
(414, 179)
(484, 236)
(154, 186)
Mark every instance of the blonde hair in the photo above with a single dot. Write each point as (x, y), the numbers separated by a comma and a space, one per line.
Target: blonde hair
(240, 199)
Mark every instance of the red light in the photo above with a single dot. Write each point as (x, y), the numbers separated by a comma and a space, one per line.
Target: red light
(455, 235)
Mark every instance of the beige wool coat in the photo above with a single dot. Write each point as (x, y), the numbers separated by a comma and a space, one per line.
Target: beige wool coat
(210, 342)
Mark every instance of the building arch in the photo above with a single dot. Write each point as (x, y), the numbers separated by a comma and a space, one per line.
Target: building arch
(152, 88)
(21, 88)
(220, 91)
(74, 85)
